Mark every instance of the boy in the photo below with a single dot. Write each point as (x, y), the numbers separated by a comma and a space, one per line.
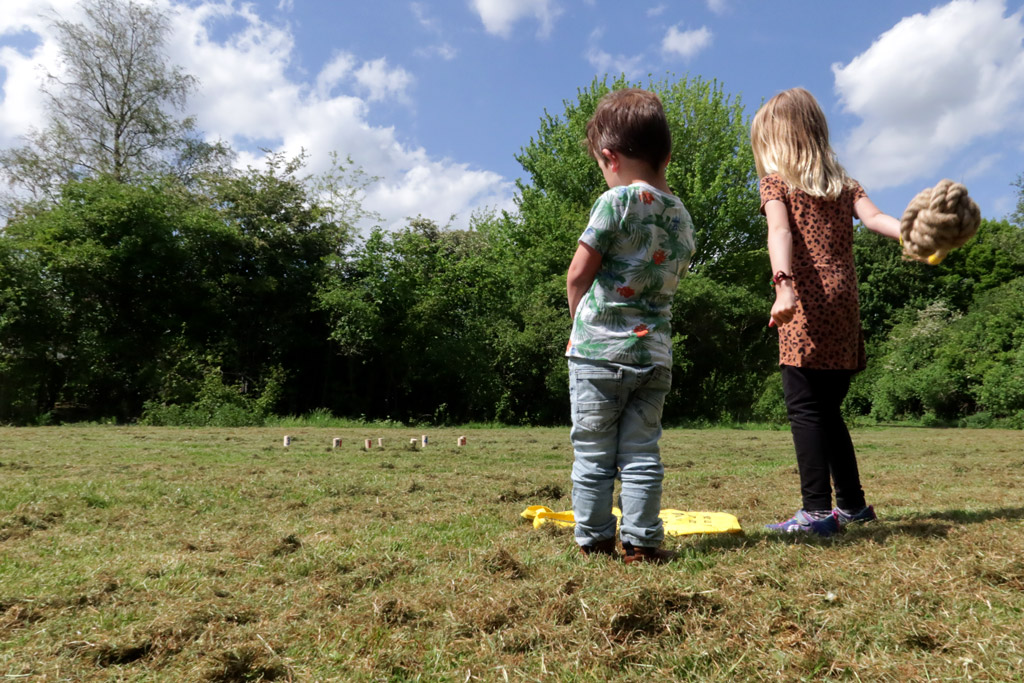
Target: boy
(620, 285)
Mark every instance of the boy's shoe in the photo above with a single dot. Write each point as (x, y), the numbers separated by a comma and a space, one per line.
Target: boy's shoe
(637, 553)
(865, 514)
(802, 522)
(603, 547)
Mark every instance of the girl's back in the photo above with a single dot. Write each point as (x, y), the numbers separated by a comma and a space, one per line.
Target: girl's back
(825, 332)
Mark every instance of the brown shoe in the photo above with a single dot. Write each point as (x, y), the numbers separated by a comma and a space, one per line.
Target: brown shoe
(637, 553)
(605, 547)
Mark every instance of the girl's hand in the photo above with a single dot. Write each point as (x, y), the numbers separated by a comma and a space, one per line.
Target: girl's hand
(784, 307)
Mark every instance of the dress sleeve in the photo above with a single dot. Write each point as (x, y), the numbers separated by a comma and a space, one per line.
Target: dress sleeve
(857, 191)
(772, 187)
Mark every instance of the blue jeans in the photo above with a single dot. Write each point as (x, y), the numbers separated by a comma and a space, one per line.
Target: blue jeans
(616, 425)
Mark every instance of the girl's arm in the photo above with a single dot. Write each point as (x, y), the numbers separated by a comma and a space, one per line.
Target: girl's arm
(582, 271)
(780, 251)
(876, 221)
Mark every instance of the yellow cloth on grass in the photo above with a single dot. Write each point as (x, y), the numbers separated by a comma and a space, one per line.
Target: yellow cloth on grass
(677, 522)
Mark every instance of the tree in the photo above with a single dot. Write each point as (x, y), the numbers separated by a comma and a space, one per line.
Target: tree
(415, 314)
(889, 283)
(114, 287)
(286, 232)
(712, 171)
(1018, 214)
(722, 350)
(111, 111)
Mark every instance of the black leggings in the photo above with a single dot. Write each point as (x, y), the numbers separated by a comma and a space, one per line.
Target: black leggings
(822, 441)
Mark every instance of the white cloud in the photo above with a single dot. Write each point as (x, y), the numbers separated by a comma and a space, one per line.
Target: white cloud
(718, 6)
(656, 11)
(981, 166)
(22, 104)
(614, 65)
(605, 63)
(686, 44)
(442, 50)
(250, 97)
(381, 82)
(499, 16)
(334, 73)
(419, 10)
(931, 85)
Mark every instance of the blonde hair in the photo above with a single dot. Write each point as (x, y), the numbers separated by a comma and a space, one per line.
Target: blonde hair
(789, 137)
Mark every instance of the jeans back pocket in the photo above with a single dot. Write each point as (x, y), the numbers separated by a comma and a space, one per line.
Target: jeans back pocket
(597, 398)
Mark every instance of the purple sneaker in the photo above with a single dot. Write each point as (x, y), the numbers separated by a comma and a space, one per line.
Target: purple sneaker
(801, 521)
(865, 514)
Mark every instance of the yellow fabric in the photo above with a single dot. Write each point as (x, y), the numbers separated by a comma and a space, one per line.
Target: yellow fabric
(677, 522)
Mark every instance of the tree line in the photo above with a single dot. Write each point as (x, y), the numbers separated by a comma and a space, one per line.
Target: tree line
(142, 276)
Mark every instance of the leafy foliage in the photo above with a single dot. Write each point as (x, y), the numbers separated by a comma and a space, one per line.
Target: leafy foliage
(153, 281)
(218, 404)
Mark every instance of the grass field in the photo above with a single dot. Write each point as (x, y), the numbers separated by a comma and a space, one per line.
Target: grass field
(146, 554)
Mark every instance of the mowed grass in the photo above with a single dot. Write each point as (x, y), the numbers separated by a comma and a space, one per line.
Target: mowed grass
(146, 554)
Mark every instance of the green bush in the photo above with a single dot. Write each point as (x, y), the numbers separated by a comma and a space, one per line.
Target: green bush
(218, 405)
(770, 405)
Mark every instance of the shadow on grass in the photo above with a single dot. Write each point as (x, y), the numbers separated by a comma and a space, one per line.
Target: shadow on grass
(934, 524)
(965, 516)
(925, 525)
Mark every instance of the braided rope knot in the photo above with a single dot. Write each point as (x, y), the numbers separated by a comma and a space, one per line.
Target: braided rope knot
(937, 220)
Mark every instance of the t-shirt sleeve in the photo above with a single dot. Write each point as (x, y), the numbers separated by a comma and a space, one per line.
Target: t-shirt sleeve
(772, 187)
(603, 225)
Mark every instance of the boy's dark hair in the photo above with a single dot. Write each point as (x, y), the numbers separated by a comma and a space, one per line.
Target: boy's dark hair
(631, 122)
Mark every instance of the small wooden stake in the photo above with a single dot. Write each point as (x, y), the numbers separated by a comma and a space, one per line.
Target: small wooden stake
(461, 441)
(336, 443)
(287, 441)
(380, 443)
(424, 439)
(368, 444)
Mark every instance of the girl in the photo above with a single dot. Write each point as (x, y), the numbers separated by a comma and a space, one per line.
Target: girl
(810, 203)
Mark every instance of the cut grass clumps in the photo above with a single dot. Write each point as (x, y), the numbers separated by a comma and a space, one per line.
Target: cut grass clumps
(171, 554)
(651, 612)
(244, 664)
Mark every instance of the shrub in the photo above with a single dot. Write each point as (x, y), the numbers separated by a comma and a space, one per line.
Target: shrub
(218, 404)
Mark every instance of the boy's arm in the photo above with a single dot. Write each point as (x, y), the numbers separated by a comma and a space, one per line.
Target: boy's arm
(780, 251)
(876, 221)
(582, 271)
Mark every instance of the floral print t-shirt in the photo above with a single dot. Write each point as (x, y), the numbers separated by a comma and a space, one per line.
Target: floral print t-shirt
(645, 238)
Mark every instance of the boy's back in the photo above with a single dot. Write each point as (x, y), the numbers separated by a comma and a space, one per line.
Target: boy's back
(645, 239)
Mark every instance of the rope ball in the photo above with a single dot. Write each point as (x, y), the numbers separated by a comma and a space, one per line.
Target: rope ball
(937, 220)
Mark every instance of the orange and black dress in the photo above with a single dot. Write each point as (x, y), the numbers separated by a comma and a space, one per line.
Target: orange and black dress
(823, 346)
(825, 333)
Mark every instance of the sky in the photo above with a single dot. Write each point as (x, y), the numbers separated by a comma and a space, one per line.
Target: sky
(436, 99)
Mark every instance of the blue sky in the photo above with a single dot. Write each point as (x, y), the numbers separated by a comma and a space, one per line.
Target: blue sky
(436, 98)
